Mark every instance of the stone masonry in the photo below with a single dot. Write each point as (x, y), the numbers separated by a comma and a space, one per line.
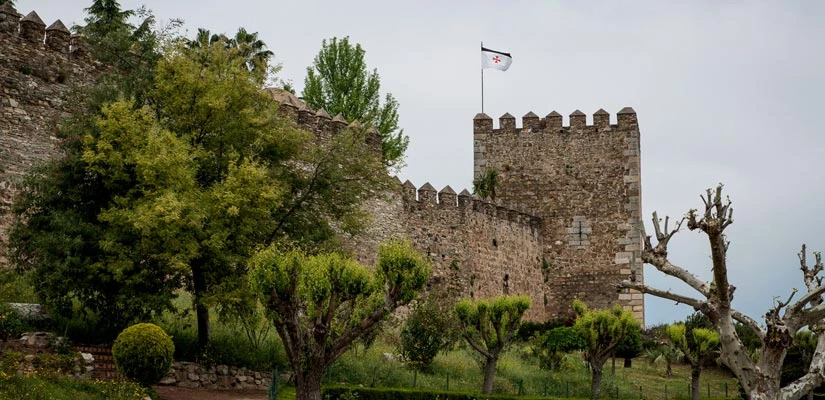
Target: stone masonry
(565, 223)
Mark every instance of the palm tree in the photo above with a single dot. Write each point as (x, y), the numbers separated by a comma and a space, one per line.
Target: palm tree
(667, 353)
(249, 47)
(485, 184)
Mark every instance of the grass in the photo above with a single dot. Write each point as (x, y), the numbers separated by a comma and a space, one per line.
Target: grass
(34, 387)
(518, 374)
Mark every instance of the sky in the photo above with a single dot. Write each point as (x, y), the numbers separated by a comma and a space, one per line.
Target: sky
(725, 91)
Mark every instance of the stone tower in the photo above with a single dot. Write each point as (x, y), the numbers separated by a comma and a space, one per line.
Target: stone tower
(583, 182)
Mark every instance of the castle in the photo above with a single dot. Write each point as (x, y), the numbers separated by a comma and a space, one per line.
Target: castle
(565, 223)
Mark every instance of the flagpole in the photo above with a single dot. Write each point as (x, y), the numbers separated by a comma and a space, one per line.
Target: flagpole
(482, 84)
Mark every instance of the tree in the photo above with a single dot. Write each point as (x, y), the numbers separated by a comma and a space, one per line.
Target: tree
(489, 326)
(603, 331)
(696, 345)
(667, 353)
(320, 304)
(485, 185)
(427, 331)
(252, 51)
(628, 349)
(339, 82)
(555, 343)
(760, 379)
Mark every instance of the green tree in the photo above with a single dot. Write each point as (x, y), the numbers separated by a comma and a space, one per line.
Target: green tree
(489, 327)
(666, 353)
(603, 331)
(252, 51)
(485, 185)
(320, 304)
(339, 82)
(696, 344)
(428, 330)
(554, 344)
(628, 349)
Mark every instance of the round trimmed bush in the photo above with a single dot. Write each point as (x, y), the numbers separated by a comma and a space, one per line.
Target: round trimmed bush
(143, 353)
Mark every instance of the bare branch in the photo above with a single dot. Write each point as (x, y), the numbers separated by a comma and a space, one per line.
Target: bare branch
(665, 294)
(668, 268)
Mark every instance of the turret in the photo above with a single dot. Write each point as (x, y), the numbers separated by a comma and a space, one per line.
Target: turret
(9, 18)
(57, 37)
(32, 28)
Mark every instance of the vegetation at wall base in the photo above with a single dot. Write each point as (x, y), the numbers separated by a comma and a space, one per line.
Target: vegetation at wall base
(143, 352)
(363, 393)
(35, 387)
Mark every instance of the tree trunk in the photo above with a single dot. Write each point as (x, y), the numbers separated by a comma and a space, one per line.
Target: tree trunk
(596, 381)
(201, 311)
(811, 395)
(669, 370)
(628, 362)
(489, 375)
(613, 365)
(695, 370)
(308, 384)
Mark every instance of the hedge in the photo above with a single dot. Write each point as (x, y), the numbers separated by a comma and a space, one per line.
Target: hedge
(365, 393)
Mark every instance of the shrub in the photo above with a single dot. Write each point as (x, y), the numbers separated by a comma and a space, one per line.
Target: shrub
(362, 393)
(11, 325)
(427, 331)
(143, 353)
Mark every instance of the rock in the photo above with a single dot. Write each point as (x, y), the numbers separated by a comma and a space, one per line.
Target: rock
(39, 339)
(88, 358)
(29, 357)
(257, 375)
(222, 370)
(258, 382)
(168, 381)
(389, 357)
(193, 377)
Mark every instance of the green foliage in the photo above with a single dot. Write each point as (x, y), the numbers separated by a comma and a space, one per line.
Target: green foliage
(57, 387)
(15, 287)
(428, 330)
(602, 331)
(631, 346)
(748, 337)
(528, 329)
(490, 325)
(143, 353)
(486, 183)
(339, 82)
(798, 359)
(321, 304)
(11, 324)
(361, 393)
(554, 344)
(252, 50)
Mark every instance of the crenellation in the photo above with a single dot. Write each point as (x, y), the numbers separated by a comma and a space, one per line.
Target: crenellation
(32, 28)
(58, 37)
(507, 123)
(447, 197)
(601, 119)
(627, 118)
(578, 120)
(427, 194)
(530, 121)
(9, 19)
(554, 120)
(408, 191)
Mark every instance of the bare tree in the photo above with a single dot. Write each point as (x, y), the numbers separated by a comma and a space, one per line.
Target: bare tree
(759, 379)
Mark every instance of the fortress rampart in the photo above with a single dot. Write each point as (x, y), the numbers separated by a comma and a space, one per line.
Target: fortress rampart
(565, 223)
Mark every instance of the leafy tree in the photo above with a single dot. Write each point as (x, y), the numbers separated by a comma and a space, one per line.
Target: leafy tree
(485, 185)
(603, 331)
(428, 330)
(696, 345)
(489, 327)
(761, 378)
(320, 304)
(667, 353)
(339, 82)
(251, 50)
(557, 342)
(628, 349)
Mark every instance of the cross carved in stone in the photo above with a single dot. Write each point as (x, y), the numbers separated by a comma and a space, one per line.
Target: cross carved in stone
(579, 233)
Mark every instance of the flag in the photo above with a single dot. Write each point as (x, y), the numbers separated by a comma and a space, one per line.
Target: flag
(495, 59)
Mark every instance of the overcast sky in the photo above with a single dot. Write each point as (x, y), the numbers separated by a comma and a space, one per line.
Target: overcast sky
(725, 91)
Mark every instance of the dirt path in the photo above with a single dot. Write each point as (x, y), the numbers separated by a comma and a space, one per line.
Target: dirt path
(179, 393)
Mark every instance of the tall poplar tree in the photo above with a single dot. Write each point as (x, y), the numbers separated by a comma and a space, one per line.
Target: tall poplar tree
(339, 82)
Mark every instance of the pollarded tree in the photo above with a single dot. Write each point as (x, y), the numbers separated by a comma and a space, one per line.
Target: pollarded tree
(339, 82)
(603, 331)
(696, 344)
(759, 379)
(321, 304)
(489, 326)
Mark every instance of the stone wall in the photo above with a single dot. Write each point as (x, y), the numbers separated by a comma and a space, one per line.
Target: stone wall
(583, 181)
(38, 68)
(477, 248)
(193, 375)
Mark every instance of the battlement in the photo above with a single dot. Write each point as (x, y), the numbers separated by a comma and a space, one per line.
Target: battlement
(56, 37)
(447, 199)
(552, 122)
(318, 121)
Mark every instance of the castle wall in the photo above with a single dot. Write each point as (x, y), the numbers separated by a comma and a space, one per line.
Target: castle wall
(477, 249)
(38, 68)
(583, 182)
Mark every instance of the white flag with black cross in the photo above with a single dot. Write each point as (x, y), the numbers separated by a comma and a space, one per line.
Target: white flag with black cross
(495, 59)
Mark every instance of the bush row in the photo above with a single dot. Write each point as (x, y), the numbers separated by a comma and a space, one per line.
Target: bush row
(364, 393)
